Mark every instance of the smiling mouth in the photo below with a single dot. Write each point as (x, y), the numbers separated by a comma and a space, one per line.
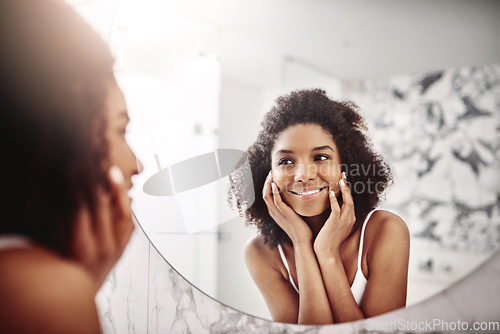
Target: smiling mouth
(305, 193)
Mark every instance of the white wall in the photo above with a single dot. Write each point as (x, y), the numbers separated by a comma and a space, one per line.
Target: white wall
(241, 111)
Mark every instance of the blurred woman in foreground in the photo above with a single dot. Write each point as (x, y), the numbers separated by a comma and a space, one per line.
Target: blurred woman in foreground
(67, 169)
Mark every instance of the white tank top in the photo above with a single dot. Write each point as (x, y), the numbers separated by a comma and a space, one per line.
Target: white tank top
(359, 284)
(8, 241)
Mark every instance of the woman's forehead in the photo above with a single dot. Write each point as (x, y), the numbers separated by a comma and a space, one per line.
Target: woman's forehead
(115, 103)
(304, 137)
(308, 132)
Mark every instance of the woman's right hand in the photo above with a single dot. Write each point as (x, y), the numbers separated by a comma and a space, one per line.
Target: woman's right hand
(293, 225)
(100, 238)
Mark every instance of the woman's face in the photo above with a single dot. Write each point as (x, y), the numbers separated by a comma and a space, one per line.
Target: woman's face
(120, 153)
(306, 166)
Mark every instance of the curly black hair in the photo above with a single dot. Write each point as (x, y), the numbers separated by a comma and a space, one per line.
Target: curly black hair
(368, 174)
(55, 70)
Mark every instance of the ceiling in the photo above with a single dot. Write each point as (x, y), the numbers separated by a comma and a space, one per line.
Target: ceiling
(348, 39)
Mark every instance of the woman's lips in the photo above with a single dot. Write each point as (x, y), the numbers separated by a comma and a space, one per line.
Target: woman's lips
(307, 194)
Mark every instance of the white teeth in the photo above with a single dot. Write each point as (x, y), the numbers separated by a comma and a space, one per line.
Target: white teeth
(309, 192)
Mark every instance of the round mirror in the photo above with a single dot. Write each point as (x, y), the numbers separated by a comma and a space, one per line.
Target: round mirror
(199, 76)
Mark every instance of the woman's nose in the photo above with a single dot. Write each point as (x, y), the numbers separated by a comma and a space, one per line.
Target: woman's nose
(139, 166)
(305, 172)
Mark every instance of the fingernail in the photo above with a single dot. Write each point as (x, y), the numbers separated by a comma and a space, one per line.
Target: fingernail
(344, 175)
(116, 174)
(332, 193)
(273, 186)
(342, 183)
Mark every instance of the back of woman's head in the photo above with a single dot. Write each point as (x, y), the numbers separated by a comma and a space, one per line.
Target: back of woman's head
(54, 69)
(368, 174)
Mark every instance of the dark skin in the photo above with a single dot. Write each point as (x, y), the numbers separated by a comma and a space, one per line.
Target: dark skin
(48, 293)
(301, 196)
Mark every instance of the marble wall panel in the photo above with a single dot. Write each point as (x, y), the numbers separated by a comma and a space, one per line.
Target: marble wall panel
(440, 131)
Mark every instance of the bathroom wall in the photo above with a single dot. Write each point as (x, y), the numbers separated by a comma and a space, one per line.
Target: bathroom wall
(441, 133)
(240, 114)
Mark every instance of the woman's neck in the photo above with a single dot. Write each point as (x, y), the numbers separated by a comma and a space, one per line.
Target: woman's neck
(315, 223)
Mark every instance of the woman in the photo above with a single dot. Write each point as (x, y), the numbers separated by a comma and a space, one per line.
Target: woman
(323, 254)
(70, 168)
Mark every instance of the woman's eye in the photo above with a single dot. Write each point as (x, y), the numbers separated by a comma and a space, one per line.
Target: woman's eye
(321, 157)
(285, 162)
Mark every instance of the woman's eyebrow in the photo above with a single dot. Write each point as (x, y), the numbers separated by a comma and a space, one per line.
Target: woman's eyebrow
(283, 152)
(319, 148)
(324, 147)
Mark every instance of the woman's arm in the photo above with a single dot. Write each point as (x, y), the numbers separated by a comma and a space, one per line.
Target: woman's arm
(342, 302)
(387, 258)
(312, 306)
(283, 302)
(327, 248)
(280, 297)
(388, 250)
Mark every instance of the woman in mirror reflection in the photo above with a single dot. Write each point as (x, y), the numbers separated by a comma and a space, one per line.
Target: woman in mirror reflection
(66, 209)
(324, 253)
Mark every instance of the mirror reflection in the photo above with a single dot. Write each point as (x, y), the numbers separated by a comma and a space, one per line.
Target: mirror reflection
(199, 76)
(317, 227)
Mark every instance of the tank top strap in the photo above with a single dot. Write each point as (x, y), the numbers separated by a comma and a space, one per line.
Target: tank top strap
(285, 262)
(360, 251)
(8, 241)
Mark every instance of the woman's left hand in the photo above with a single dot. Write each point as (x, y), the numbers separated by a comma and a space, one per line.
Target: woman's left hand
(338, 225)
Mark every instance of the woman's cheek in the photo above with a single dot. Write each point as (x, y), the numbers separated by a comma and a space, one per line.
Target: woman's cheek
(278, 179)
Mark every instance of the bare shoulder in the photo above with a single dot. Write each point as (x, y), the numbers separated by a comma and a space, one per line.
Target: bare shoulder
(387, 230)
(384, 224)
(261, 258)
(45, 293)
(256, 250)
(22, 265)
